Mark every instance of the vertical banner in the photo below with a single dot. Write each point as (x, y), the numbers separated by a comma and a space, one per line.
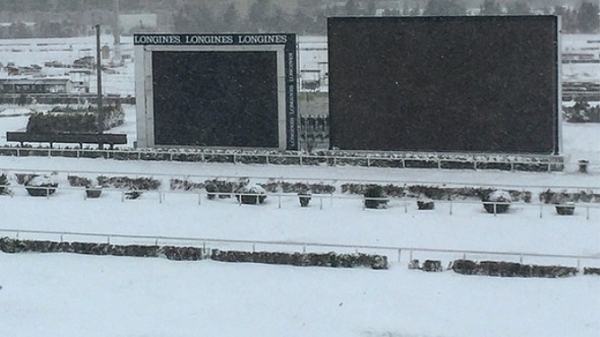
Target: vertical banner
(291, 93)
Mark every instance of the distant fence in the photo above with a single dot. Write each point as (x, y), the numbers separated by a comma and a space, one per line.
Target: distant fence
(63, 98)
(403, 254)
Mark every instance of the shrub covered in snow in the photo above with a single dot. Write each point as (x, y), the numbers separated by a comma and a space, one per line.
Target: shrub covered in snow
(3, 183)
(375, 197)
(497, 202)
(41, 186)
(251, 194)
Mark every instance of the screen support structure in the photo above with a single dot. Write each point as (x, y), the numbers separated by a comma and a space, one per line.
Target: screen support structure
(284, 45)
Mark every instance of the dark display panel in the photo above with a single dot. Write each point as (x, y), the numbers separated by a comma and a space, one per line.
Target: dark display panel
(459, 84)
(220, 99)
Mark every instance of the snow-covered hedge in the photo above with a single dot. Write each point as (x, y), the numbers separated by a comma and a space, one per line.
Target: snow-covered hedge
(8, 245)
(510, 269)
(333, 158)
(67, 119)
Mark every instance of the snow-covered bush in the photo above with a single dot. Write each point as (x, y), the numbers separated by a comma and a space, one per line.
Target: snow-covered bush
(41, 186)
(566, 208)
(93, 192)
(375, 197)
(3, 184)
(304, 198)
(497, 201)
(251, 194)
(425, 203)
(69, 119)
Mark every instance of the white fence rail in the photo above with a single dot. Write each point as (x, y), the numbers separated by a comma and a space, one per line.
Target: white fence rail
(402, 254)
(398, 182)
(401, 159)
(322, 200)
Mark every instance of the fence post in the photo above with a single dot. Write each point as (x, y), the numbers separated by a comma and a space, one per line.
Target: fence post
(450, 206)
(321, 201)
(399, 255)
(199, 198)
(587, 212)
(122, 196)
(405, 205)
(160, 197)
(541, 210)
(279, 200)
(494, 208)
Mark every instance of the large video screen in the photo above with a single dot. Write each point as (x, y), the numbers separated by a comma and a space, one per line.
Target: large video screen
(221, 99)
(216, 90)
(444, 84)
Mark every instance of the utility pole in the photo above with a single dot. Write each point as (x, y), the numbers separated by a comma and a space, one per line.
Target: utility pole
(100, 114)
(117, 33)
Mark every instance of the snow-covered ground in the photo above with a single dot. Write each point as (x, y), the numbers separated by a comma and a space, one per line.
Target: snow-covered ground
(70, 295)
(66, 295)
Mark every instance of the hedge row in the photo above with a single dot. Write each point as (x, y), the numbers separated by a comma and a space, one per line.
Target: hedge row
(304, 259)
(316, 158)
(8, 245)
(141, 183)
(510, 269)
(75, 120)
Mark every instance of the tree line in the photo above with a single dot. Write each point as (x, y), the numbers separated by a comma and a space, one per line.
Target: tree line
(308, 17)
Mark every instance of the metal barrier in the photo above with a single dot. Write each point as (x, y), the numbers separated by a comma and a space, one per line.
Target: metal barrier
(209, 243)
(403, 201)
(547, 163)
(399, 182)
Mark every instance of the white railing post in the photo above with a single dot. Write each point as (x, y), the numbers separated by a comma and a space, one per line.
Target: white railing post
(450, 206)
(321, 202)
(541, 210)
(587, 212)
(279, 200)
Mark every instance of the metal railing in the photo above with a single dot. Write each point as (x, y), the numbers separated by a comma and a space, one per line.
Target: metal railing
(403, 202)
(547, 163)
(399, 182)
(403, 254)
